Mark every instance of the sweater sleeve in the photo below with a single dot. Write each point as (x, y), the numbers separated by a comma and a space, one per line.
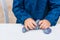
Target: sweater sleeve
(19, 11)
(54, 12)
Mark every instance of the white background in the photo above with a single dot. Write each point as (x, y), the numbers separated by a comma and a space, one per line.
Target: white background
(14, 32)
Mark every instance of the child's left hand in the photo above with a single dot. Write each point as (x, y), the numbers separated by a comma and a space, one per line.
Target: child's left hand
(44, 24)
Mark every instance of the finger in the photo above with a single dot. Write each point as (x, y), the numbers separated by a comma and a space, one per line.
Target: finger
(42, 26)
(26, 27)
(34, 23)
(29, 26)
(46, 27)
(40, 22)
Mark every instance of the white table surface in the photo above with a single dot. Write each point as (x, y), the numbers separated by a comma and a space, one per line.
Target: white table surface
(14, 32)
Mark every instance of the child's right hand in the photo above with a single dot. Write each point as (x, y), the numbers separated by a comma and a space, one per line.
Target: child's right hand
(29, 23)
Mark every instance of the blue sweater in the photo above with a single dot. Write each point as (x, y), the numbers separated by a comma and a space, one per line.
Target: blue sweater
(36, 9)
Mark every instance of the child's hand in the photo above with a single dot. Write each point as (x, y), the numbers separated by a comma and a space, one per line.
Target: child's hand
(44, 24)
(30, 23)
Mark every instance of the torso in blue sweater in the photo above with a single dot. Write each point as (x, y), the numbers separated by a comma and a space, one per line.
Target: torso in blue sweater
(37, 9)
